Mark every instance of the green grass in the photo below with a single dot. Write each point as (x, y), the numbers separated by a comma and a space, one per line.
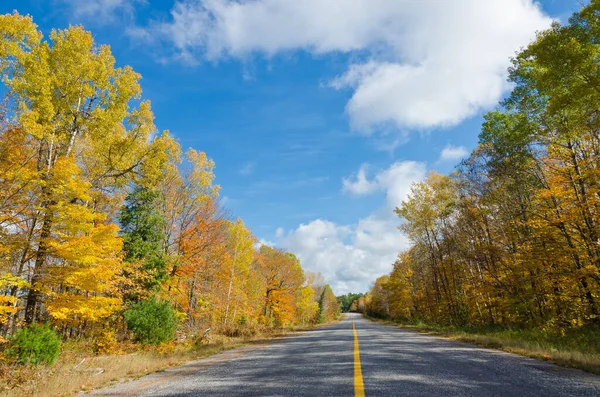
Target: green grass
(572, 347)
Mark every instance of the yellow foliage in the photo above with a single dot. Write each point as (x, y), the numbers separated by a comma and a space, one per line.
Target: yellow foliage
(8, 303)
(106, 342)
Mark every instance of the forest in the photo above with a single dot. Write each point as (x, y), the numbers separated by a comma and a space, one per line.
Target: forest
(511, 239)
(109, 230)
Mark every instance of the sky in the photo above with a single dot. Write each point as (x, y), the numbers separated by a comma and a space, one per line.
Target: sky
(319, 114)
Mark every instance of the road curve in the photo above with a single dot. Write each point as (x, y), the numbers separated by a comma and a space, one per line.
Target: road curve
(393, 362)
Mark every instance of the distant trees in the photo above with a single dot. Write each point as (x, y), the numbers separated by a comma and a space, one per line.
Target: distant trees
(512, 237)
(328, 305)
(346, 301)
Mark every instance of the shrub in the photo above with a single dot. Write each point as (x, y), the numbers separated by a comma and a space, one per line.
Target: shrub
(106, 342)
(152, 321)
(35, 345)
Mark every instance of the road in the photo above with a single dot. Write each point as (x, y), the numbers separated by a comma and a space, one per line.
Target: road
(387, 362)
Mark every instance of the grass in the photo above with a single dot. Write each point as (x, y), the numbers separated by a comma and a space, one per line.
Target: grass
(573, 347)
(80, 370)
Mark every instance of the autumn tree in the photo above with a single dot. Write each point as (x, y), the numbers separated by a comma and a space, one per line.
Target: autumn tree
(74, 105)
(307, 308)
(282, 276)
(241, 288)
(328, 305)
(347, 300)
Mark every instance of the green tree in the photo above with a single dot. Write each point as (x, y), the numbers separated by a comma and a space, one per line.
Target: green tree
(143, 231)
(152, 321)
(35, 344)
(346, 301)
(328, 305)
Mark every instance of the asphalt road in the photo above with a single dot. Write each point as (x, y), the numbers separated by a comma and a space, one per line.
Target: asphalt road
(394, 362)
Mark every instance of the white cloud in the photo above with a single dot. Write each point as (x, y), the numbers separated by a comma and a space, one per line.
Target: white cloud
(422, 65)
(452, 153)
(279, 232)
(358, 183)
(352, 256)
(394, 180)
(262, 242)
(102, 11)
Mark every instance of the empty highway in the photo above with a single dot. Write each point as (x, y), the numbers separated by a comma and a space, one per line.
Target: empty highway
(356, 357)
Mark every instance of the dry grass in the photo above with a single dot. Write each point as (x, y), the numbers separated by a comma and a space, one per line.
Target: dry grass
(78, 370)
(566, 357)
(575, 348)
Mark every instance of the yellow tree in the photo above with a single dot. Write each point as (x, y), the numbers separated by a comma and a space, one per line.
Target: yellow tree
(18, 177)
(72, 101)
(282, 277)
(240, 243)
(83, 253)
(307, 308)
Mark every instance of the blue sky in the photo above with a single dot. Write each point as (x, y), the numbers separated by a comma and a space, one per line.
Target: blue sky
(318, 119)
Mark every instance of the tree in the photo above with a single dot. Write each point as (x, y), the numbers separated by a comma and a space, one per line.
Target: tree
(144, 239)
(241, 244)
(152, 321)
(347, 300)
(282, 276)
(307, 308)
(328, 305)
(74, 105)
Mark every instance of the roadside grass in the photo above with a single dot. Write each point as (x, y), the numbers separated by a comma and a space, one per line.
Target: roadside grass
(80, 370)
(573, 347)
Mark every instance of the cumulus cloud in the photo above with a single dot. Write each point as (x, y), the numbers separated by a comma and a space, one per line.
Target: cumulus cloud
(422, 64)
(358, 183)
(453, 153)
(395, 181)
(351, 256)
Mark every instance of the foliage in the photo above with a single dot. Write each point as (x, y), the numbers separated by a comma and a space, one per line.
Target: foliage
(329, 308)
(143, 230)
(79, 141)
(347, 300)
(35, 344)
(282, 276)
(152, 321)
(306, 307)
(106, 342)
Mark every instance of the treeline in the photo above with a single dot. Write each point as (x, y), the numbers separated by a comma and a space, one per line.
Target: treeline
(349, 302)
(106, 227)
(513, 236)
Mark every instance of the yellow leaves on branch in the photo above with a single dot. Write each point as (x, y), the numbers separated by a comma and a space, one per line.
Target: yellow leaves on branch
(73, 308)
(8, 303)
(81, 280)
(201, 175)
(307, 308)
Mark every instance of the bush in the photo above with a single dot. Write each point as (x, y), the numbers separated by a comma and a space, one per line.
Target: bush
(152, 321)
(35, 345)
(106, 342)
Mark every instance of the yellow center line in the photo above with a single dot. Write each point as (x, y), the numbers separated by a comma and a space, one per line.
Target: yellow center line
(359, 387)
